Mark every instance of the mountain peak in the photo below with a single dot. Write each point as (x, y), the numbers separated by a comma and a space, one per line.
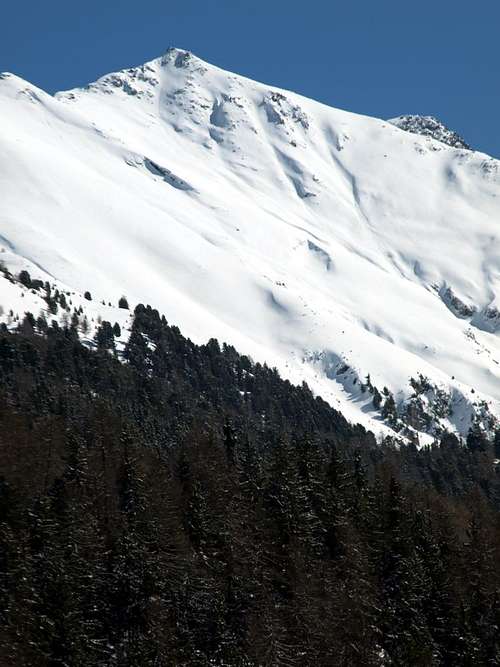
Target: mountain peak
(429, 126)
(174, 52)
(180, 58)
(139, 81)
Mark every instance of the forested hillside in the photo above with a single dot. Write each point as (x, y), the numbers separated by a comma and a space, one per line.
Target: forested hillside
(175, 504)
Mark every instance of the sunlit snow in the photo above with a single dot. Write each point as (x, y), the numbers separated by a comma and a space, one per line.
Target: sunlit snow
(328, 244)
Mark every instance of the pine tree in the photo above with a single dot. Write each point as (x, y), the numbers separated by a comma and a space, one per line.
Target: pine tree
(496, 444)
(25, 278)
(476, 438)
(104, 336)
(389, 410)
(123, 303)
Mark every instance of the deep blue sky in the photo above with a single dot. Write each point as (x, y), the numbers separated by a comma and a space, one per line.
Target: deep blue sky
(378, 57)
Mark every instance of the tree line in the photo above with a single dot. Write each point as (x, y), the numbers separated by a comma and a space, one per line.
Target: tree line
(175, 504)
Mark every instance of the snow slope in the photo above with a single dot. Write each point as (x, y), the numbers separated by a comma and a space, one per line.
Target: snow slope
(328, 244)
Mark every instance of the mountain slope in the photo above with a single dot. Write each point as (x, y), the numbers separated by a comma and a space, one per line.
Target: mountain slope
(329, 244)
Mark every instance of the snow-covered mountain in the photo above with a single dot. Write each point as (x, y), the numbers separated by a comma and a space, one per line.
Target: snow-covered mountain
(428, 126)
(329, 244)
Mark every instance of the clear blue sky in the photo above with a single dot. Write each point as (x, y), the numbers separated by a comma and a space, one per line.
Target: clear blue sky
(378, 57)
